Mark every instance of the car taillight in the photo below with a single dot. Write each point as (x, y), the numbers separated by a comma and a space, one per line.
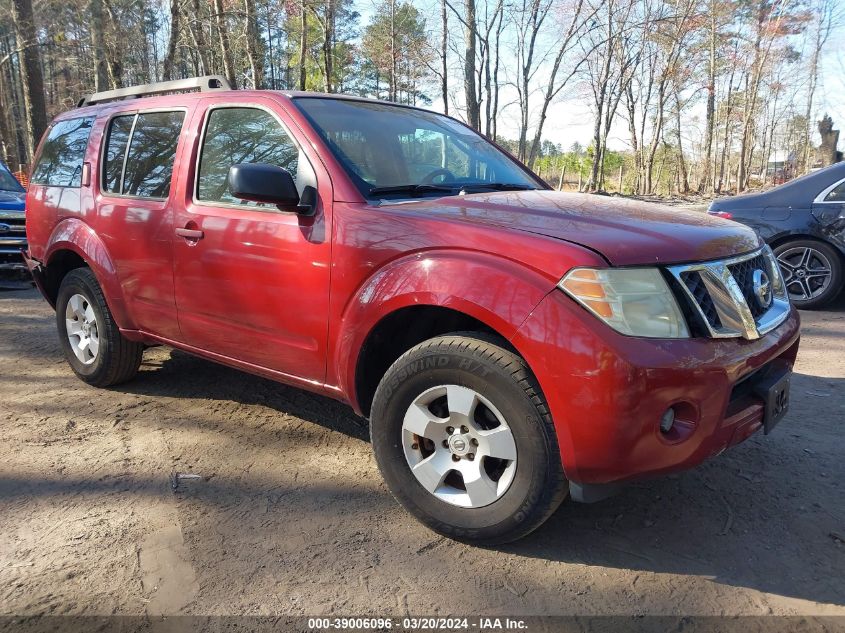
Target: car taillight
(722, 214)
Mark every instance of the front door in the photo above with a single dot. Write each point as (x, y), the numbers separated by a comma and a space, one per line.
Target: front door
(252, 280)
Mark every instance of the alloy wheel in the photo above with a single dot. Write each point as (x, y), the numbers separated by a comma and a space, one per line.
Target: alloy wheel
(807, 272)
(459, 446)
(82, 329)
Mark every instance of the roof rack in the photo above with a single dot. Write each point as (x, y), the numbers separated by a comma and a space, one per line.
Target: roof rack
(209, 83)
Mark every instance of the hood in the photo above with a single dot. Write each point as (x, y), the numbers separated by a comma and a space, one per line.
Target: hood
(626, 232)
(12, 200)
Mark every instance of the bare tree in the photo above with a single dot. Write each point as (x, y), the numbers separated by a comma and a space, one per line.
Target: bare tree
(254, 45)
(198, 37)
(444, 67)
(173, 41)
(824, 12)
(554, 85)
(223, 38)
(470, 28)
(303, 41)
(530, 16)
(32, 79)
(95, 10)
(707, 181)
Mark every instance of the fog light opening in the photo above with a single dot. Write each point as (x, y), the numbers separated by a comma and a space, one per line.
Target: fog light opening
(667, 421)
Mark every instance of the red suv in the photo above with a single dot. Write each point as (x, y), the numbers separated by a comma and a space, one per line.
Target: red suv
(510, 345)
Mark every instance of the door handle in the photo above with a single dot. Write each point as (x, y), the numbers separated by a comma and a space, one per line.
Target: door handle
(190, 234)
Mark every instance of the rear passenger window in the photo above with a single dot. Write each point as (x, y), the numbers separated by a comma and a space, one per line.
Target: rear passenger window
(147, 169)
(60, 163)
(244, 135)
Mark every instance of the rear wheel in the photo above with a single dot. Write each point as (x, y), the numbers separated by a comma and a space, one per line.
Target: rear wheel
(464, 440)
(93, 345)
(812, 272)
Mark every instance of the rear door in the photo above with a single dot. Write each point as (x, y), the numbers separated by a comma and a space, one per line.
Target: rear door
(139, 155)
(252, 280)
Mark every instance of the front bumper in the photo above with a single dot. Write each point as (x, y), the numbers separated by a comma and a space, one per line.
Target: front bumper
(607, 392)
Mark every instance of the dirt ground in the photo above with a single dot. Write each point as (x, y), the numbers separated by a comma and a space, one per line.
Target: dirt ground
(290, 515)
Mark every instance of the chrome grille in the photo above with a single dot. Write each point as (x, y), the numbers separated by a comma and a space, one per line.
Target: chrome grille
(743, 274)
(701, 298)
(12, 239)
(723, 294)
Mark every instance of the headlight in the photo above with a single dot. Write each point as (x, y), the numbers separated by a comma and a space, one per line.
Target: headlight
(633, 301)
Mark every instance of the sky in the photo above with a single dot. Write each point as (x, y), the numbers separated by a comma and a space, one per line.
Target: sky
(570, 118)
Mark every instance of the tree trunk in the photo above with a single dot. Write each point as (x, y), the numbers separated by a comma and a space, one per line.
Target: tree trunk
(270, 52)
(473, 110)
(825, 22)
(328, 46)
(655, 141)
(32, 79)
(393, 52)
(225, 48)
(707, 180)
(764, 26)
(113, 48)
(444, 45)
(95, 10)
(173, 42)
(303, 42)
(552, 87)
(254, 46)
(496, 60)
(683, 182)
(198, 36)
(631, 107)
(726, 135)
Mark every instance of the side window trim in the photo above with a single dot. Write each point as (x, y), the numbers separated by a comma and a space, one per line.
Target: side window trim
(104, 148)
(206, 118)
(125, 154)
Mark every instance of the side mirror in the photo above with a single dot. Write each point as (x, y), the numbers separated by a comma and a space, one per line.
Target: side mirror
(259, 182)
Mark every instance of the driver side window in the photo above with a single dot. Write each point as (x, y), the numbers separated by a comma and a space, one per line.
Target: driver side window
(236, 135)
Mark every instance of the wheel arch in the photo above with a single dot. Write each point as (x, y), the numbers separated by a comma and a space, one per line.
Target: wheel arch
(783, 238)
(73, 244)
(401, 330)
(428, 295)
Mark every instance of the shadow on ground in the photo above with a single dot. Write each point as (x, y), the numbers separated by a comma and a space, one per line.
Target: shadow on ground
(766, 515)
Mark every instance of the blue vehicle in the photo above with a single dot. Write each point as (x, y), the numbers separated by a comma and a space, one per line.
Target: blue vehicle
(12, 226)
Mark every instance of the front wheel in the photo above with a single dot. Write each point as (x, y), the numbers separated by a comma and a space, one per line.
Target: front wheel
(465, 442)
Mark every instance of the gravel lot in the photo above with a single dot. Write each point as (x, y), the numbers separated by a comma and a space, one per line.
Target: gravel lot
(290, 515)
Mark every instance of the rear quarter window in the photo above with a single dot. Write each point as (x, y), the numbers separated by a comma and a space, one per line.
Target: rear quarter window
(60, 162)
(837, 194)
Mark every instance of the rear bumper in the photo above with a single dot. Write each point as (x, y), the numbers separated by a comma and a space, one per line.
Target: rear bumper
(36, 270)
(607, 392)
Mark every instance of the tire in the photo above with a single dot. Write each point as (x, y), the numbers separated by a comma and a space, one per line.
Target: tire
(438, 377)
(81, 309)
(821, 291)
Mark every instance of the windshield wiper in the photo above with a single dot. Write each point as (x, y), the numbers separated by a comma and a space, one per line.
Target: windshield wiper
(496, 186)
(412, 189)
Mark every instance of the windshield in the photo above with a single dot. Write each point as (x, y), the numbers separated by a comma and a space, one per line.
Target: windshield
(8, 182)
(394, 151)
